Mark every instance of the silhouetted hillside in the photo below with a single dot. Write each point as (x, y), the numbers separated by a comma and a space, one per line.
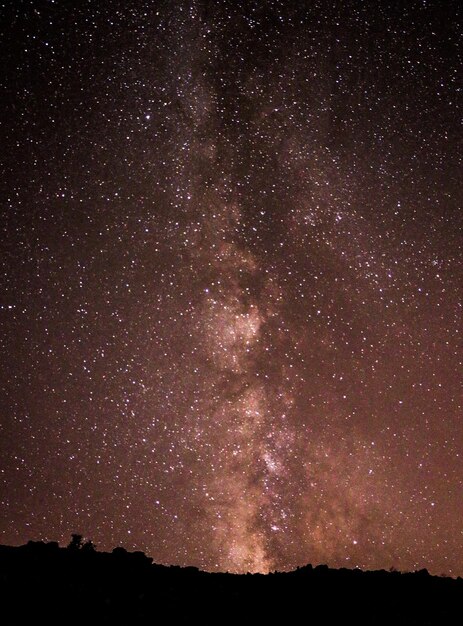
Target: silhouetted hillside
(78, 585)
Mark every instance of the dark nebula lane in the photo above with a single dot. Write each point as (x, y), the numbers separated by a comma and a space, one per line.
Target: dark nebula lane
(231, 286)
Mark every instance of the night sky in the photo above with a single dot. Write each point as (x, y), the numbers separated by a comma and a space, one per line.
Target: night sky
(231, 280)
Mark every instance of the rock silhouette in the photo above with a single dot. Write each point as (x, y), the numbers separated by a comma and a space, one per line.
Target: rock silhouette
(43, 583)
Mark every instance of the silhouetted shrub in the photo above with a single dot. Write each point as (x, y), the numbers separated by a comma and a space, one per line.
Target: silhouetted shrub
(76, 542)
(88, 547)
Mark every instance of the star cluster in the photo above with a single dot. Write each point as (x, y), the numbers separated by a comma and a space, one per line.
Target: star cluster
(231, 280)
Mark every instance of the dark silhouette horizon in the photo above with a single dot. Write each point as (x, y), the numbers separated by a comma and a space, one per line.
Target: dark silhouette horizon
(79, 584)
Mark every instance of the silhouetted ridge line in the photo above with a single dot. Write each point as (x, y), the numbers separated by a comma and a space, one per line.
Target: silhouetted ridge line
(79, 584)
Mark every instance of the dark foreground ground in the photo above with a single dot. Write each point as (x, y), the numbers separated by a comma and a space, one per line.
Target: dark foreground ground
(42, 583)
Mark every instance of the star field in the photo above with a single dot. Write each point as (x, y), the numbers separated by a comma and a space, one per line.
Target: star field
(231, 281)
